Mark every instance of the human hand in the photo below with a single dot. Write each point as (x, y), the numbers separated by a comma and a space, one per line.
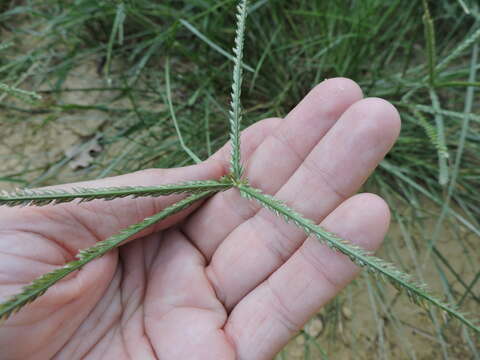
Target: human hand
(228, 281)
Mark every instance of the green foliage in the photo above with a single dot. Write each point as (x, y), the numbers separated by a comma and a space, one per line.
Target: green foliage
(430, 40)
(293, 45)
(5, 45)
(459, 50)
(117, 30)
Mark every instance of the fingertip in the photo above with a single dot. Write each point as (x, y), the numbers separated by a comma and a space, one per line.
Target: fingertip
(378, 213)
(327, 101)
(340, 86)
(391, 113)
(382, 119)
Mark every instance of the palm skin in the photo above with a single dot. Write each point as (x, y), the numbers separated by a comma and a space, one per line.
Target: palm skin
(223, 280)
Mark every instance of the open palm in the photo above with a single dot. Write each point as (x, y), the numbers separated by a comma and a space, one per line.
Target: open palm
(224, 280)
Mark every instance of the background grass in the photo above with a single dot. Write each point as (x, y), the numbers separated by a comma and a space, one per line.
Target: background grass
(119, 48)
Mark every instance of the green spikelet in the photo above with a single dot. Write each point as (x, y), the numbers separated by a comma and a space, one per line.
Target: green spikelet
(443, 172)
(417, 292)
(432, 134)
(39, 286)
(46, 197)
(5, 45)
(24, 95)
(235, 114)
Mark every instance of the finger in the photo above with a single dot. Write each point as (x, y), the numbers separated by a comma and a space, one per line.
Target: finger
(333, 171)
(275, 160)
(263, 322)
(179, 300)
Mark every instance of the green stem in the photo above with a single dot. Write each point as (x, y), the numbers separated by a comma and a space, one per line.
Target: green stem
(458, 84)
(430, 39)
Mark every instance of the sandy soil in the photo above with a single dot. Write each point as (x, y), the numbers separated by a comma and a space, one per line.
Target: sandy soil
(30, 143)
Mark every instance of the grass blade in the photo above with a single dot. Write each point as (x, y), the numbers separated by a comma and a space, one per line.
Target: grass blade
(417, 292)
(448, 113)
(40, 285)
(458, 51)
(210, 43)
(190, 153)
(430, 39)
(464, 7)
(117, 28)
(458, 158)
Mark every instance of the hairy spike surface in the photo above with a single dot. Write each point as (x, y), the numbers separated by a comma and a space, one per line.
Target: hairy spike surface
(235, 114)
(432, 134)
(40, 285)
(417, 292)
(24, 95)
(442, 160)
(5, 45)
(46, 197)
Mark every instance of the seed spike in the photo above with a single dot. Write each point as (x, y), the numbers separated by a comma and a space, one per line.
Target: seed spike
(53, 196)
(235, 113)
(416, 292)
(40, 285)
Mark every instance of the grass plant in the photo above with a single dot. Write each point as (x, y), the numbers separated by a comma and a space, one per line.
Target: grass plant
(436, 157)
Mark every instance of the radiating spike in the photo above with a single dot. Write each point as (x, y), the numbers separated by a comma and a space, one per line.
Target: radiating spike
(52, 197)
(416, 292)
(40, 285)
(235, 112)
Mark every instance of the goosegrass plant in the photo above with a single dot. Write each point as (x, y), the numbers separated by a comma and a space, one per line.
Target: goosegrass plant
(382, 45)
(416, 291)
